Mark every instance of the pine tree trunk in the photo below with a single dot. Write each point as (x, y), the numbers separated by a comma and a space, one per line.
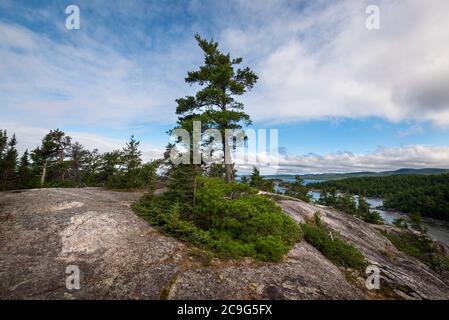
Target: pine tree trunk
(227, 157)
(229, 173)
(44, 170)
(5, 179)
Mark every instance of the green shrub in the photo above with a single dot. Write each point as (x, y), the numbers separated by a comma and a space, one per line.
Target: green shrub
(372, 217)
(420, 247)
(335, 249)
(401, 223)
(230, 219)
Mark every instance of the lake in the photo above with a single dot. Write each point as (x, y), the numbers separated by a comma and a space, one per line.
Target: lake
(435, 230)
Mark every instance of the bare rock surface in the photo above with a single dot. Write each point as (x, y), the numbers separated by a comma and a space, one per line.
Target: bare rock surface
(408, 277)
(120, 256)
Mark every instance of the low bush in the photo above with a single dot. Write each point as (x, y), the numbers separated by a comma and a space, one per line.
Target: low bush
(230, 219)
(372, 217)
(318, 234)
(421, 248)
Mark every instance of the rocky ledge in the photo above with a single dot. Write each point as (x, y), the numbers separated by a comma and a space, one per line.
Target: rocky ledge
(120, 256)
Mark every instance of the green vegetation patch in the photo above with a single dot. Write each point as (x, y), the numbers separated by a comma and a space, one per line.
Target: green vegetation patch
(229, 219)
(426, 194)
(344, 254)
(411, 244)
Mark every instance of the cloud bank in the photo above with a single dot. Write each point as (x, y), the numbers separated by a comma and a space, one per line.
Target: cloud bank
(322, 62)
(315, 60)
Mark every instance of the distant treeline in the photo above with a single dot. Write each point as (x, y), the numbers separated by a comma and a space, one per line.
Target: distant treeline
(424, 194)
(60, 162)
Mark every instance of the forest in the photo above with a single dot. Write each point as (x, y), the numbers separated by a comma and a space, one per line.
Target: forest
(61, 162)
(424, 194)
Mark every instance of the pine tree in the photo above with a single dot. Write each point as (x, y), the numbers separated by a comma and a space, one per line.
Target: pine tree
(131, 163)
(9, 165)
(298, 190)
(215, 105)
(3, 148)
(3, 144)
(92, 168)
(364, 206)
(182, 186)
(48, 159)
(346, 204)
(109, 168)
(258, 182)
(24, 173)
(62, 143)
(255, 179)
(78, 158)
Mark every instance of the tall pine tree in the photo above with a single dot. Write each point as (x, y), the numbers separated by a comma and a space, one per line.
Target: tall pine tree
(9, 164)
(215, 105)
(24, 174)
(131, 162)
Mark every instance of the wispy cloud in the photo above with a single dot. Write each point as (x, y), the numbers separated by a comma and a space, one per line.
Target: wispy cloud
(31, 137)
(414, 156)
(411, 130)
(322, 62)
(316, 60)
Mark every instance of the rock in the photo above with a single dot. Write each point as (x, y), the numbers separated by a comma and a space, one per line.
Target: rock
(120, 256)
(399, 269)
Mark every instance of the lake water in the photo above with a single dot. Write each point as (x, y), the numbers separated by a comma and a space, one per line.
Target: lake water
(435, 230)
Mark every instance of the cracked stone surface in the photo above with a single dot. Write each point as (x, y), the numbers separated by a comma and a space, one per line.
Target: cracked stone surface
(120, 256)
(398, 269)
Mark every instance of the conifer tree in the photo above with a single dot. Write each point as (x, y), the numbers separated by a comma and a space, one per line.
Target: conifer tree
(109, 168)
(24, 174)
(3, 144)
(131, 162)
(3, 148)
(9, 164)
(92, 167)
(48, 159)
(258, 182)
(297, 189)
(215, 105)
(78, 158)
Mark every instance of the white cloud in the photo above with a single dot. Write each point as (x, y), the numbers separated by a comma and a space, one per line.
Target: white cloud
(411, 130)
(315, 61)
(31, 137)
(324, 63)
(83, 81)
(413, 156)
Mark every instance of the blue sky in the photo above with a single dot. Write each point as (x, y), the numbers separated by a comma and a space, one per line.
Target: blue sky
(344, 98)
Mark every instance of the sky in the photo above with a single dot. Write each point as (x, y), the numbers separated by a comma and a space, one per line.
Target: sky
(343, 97)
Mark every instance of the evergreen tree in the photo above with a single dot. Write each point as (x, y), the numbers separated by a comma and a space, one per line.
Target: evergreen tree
(62, 143)
(3, 148)
(215, 105)
(346, 204)
(182, 186)
(109, 168)
(364, 206)
(92, 168)
(258, 182)
(48, 159)
(244, 180)
(78, 159)
(24, 173)
(3, 144)
(9, 165)
(416, 223)
(131, 163)
(298, 190)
